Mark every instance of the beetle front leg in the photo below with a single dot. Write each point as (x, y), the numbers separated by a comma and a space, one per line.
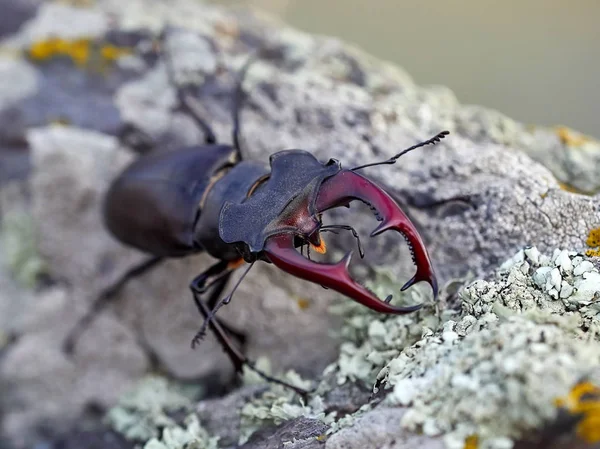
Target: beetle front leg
(238, 359)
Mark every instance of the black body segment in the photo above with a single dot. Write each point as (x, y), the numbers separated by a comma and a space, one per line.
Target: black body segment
(154, 203)
(232, 187)
(292, 187)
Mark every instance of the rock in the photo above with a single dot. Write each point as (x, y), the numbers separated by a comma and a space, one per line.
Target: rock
(82, 75)
(377, 428)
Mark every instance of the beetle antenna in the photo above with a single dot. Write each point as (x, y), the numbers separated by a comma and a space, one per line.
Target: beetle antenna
(435, 139)
(202, 332)
(185, 101)
(330, 228)
(238, 98)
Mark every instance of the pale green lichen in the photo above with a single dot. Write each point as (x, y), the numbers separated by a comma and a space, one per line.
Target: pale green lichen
(565, 284)
(496, 370)
(192, 436)
(371, 339)
(499, 382)
(145, 410)
(278, 404)
(19, 248)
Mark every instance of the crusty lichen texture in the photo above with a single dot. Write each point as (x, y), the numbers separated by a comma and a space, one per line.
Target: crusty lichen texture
(145, 415)
(523, 339)
(81, 51)
(485, 376)
(17, 231)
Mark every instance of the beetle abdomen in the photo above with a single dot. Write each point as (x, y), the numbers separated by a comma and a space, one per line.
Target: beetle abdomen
(154, 203)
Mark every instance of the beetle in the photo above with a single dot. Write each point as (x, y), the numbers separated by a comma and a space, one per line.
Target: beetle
(209, 198)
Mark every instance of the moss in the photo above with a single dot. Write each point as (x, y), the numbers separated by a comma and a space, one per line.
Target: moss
(20, 250)
(80, 51)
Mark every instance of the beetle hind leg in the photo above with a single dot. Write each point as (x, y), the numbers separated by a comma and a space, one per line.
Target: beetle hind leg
(107, 296)
(185, 101)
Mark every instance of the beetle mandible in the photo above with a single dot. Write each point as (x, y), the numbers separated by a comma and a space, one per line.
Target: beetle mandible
(210, 198)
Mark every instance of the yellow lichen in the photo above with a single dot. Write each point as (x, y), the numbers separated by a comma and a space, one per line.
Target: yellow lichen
(593, 252)
(79, 50)
(303, 303)
(570, 138)
(472, 442)
(584, 400)
(593, 241)
(569, 188)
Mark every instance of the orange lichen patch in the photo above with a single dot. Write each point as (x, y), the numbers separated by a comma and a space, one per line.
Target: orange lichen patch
(321, 249)
(569, 188)
(593, 241)
(321, 438)
(79, 50)
(472, 442)
(60, 121)
(303, 303)
(584, 400)
(593, 252)
(570, 138)
(227, 28)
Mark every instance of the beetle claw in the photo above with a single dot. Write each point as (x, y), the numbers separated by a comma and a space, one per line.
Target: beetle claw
(336, 191)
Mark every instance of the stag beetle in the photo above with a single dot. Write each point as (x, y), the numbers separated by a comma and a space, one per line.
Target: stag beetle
(210, 198)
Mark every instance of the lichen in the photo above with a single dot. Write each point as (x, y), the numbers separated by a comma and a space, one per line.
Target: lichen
(278, 404)
(192, 436)
(523, 338)
(20, 251)
(370, 338)
(593, 241)
(584, 401)
(80, 51)
(144, 411)
(570, 137)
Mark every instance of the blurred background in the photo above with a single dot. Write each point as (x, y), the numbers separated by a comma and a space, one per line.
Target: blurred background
(537, 61)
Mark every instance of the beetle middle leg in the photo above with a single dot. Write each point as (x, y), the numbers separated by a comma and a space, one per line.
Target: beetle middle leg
(201, 285)
(105, 298)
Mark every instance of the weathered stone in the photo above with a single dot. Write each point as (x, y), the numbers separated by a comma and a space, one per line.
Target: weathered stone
(314, 93)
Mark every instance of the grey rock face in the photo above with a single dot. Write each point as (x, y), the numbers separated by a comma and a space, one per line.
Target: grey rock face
(311, 92)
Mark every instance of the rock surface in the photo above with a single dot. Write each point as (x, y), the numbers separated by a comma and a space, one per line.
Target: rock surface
(79, 75)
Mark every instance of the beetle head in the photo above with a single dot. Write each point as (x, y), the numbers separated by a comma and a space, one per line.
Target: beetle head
(286, 209)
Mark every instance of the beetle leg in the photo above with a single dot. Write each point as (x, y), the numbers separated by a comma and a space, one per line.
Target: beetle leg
(225, 300)
(238, 359)
(106, 296)
(336, 191)
(185, 101)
